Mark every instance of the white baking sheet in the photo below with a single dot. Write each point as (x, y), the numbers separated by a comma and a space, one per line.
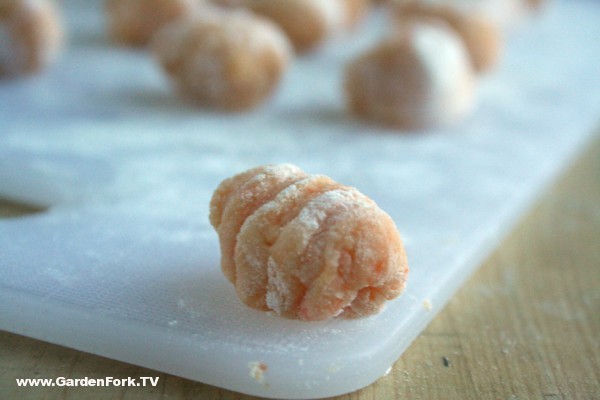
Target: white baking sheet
(124, 263)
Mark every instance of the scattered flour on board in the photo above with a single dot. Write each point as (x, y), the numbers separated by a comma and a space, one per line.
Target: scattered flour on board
(427, 305)
(257, 371)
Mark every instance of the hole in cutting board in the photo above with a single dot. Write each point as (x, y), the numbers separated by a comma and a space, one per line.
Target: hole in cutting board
(11, 209)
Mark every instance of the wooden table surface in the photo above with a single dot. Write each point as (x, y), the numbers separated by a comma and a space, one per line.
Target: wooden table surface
(526, 325)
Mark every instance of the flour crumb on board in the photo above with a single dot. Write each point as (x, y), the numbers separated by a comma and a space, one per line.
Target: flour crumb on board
(387, 371)
(427, 305)
(334, 368)
(257, 371)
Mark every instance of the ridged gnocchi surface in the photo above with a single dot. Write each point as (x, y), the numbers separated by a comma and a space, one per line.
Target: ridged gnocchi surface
(305, 246)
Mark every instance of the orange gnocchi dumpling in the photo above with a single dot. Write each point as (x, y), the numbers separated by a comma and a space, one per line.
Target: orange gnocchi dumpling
(419, 77)
(480, 34)
(229, 60)
(307, 23)
(134, 22)
(306, 247)
(31, 36)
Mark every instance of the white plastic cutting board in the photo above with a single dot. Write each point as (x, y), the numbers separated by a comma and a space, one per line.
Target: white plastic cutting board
(124, 263)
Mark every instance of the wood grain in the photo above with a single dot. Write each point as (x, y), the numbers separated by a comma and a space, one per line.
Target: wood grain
(526, 326)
